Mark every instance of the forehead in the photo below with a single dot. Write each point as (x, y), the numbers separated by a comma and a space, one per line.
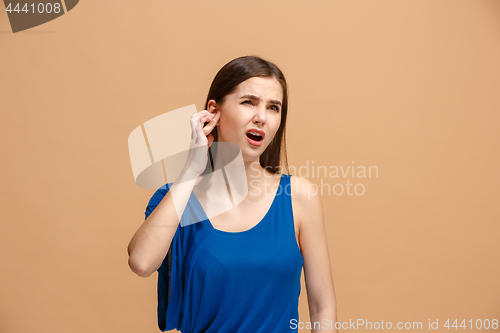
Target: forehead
(264, 87)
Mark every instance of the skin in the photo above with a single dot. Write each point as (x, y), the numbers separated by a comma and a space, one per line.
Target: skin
(233, 118)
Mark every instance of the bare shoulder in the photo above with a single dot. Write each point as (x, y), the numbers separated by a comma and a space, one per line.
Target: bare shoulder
(305, 199)
(302, 188)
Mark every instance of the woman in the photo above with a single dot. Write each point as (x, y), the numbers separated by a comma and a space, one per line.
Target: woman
(238, 271)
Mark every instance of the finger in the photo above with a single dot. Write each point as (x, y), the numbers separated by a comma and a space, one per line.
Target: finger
(216, 118)
(200, 136)
(210, 126)
(216, 115)
(197, 118)
(196, 126)
(210, 139)
(208, 118)
(193, 121)
(200, 116)
(200, 113)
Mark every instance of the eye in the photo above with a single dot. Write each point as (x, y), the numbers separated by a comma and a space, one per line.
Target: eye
(247, 101)
(275, 108)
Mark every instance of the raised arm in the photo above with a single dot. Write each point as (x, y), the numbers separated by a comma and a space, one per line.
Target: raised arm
(149, 245)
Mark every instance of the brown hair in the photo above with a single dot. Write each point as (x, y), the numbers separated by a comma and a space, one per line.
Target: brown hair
(226, 81)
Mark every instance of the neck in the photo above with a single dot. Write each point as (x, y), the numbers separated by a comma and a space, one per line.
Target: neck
(259, 180)
(256, 176)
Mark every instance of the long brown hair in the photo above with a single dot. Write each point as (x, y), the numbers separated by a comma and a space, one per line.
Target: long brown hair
(226, 81)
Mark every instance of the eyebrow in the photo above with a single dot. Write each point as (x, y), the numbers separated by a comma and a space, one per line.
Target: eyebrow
(256, 98)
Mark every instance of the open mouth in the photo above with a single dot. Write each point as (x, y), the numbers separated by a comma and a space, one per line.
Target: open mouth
(254, 137)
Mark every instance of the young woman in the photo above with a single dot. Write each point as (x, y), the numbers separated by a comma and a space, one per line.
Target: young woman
(240, 270)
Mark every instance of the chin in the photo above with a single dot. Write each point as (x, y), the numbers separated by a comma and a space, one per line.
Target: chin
(250, 153)
(249, 156)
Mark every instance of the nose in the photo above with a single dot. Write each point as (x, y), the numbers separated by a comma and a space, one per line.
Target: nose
(260, 115)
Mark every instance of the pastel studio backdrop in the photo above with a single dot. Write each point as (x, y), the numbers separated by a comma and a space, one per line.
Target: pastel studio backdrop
(409, 87)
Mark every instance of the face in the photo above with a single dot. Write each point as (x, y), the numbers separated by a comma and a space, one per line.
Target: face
(255, 105)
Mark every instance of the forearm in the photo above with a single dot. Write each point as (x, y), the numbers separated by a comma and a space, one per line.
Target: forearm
(324, 321)
(151, 242)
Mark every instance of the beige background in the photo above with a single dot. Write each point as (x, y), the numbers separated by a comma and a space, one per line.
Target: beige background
(411, 87)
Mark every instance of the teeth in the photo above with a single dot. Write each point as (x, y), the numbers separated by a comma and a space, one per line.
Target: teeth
(255, 133)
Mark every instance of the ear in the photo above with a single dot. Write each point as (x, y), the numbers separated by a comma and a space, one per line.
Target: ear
(212, 106)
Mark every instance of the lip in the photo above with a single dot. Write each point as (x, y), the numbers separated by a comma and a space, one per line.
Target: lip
(261, 132)
(253, 142)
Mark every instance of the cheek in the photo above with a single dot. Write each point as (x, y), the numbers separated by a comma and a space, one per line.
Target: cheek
(227, 127)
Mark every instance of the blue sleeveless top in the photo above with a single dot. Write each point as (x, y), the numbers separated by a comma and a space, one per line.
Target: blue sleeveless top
(231, 282)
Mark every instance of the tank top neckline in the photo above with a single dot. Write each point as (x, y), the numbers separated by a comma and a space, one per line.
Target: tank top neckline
(255, 227)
